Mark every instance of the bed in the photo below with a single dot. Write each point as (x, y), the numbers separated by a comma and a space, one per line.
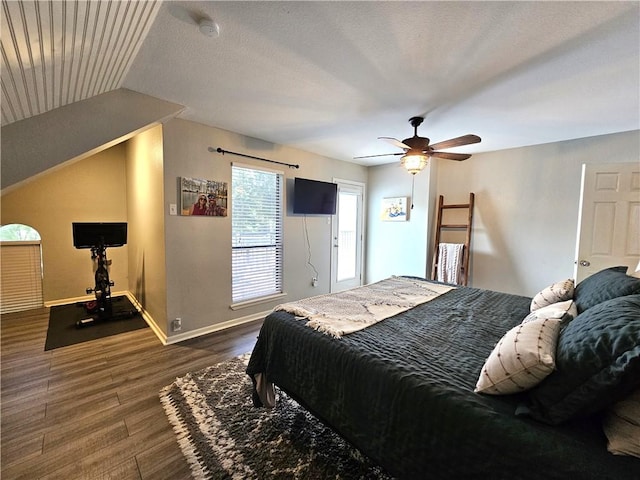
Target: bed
(402, 389)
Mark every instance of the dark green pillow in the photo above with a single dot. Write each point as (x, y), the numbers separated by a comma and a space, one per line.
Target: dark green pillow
(597, 363)
(606, 284)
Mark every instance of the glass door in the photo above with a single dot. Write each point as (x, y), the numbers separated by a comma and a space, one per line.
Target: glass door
(347, 237)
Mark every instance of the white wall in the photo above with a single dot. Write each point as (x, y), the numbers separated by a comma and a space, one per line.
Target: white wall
(397, 248)
(527, 201)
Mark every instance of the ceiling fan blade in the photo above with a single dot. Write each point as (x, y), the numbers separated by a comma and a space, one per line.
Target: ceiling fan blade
(457, 142)
(451, 156)
(381, 155)
(394, 141)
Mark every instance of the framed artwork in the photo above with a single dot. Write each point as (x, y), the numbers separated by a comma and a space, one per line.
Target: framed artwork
(394, 209)
(203, 197)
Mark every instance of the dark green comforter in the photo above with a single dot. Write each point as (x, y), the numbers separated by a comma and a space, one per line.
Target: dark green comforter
(402, 392)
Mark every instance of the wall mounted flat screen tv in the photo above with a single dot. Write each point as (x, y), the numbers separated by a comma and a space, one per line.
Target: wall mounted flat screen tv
(87, 235)
(313, 197)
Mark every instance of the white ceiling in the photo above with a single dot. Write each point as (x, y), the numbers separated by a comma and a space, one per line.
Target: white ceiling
(330, 77)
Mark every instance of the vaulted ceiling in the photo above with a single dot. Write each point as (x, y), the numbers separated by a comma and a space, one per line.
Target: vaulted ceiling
(331, 77)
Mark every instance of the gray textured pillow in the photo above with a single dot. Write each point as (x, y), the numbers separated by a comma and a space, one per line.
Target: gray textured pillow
(597, 363)
(604, 285)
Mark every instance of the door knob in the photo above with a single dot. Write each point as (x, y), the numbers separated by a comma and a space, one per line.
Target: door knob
(584, 263)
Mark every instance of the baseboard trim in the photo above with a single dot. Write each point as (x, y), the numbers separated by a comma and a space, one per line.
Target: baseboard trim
(181, 337)
(164, 339)
(147, 318)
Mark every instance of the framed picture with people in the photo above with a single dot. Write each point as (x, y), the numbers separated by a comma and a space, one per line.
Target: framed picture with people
(199, 197)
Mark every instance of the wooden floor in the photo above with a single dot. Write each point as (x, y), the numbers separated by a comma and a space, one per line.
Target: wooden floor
(92, 410)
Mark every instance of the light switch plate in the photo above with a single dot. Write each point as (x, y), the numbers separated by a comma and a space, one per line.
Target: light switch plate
(173, 209)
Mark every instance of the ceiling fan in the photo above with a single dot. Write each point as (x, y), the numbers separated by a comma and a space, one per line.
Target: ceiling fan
(416, 149)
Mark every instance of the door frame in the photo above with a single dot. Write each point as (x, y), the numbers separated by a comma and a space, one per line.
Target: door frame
(361, 227)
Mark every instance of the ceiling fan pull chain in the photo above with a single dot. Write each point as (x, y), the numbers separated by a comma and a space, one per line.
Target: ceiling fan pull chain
(413, 182)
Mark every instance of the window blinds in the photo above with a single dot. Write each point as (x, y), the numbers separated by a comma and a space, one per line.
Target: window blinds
(21, 278)
(257, 237)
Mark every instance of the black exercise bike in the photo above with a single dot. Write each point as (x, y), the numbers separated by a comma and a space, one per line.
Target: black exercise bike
(102, 306)
(97, 237)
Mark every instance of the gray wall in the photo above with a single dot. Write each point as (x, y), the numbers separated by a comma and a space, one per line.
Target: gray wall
(76, 131)
(525, 218)
(527, 201)
(175, 266)
(198, 249)
(524, 234)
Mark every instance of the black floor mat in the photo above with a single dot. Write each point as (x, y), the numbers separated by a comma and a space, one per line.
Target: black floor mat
(62, 323)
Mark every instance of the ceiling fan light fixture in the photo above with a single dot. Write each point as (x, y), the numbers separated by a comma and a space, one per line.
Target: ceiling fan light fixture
(414, 162)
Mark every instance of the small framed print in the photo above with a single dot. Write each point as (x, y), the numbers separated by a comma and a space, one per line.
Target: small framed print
(201, 197)
(394, 209)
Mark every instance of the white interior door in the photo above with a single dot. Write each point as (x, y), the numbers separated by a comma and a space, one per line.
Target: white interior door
(609, 222)
(347, 237)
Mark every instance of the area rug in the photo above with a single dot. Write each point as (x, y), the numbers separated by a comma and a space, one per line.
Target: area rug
(223, 436)
(63, 332)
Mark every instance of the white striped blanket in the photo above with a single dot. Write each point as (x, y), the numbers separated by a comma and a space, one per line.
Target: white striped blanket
(341, 313)
(449, 262)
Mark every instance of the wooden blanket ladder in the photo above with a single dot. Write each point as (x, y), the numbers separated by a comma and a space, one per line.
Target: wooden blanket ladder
(440, 226)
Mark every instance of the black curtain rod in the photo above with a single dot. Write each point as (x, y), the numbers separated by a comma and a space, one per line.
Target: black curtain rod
(220, 150)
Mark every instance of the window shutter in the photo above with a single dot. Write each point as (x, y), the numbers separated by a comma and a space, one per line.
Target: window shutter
(21, 277)
(257, 237)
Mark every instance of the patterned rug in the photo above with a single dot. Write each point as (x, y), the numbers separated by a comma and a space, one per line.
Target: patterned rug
(223, 436)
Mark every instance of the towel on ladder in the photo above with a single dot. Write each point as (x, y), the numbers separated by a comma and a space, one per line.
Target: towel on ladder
(449, 262)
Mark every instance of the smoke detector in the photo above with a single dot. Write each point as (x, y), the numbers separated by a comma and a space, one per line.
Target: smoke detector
(209, 27)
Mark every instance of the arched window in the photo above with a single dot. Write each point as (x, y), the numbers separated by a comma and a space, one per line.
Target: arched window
(21, 272)
(16, 232)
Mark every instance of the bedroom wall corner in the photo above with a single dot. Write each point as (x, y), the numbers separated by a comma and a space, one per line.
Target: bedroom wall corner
(146, 224)
(397, 248)
(91, 190)
(527, 202)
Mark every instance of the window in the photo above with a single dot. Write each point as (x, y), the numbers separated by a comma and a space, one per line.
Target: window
(16, 232)
(21, 276)
(256, 219)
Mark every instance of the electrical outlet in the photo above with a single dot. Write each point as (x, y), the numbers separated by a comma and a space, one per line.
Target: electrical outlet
(314, 281)
(176, 325)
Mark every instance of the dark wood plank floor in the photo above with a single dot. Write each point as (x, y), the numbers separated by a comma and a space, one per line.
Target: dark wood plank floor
(92, 410)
